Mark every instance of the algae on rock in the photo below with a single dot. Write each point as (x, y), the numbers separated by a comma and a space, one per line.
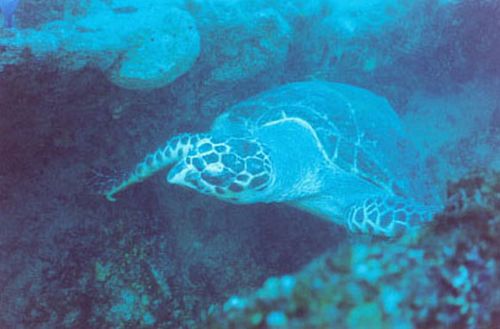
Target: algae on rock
(147, 45)
(446, 277)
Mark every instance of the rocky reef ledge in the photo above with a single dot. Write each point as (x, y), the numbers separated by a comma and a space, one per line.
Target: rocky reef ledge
(445, 277)
(144, 46)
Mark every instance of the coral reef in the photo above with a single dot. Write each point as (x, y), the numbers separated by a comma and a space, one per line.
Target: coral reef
(134, 46)
(244, 40)
(445, 277)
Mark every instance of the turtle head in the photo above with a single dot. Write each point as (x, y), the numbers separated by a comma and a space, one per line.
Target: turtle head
(238, 170)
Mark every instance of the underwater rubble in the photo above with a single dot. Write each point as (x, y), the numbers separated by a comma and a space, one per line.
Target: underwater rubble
(446, 276)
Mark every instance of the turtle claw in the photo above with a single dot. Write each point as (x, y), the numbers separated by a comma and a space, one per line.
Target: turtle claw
(110, 198)
(103, 181)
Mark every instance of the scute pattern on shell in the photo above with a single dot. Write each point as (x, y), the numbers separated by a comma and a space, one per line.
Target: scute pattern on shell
(357, 131)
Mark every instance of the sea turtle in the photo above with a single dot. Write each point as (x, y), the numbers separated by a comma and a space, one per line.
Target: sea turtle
(331, 149)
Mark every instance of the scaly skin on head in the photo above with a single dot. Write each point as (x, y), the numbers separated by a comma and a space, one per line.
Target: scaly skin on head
(174, 150)
(233, 169)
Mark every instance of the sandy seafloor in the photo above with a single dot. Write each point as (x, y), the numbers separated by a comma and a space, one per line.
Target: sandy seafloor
(163, 256)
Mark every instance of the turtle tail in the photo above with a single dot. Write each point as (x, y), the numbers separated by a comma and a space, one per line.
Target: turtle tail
(109, 183)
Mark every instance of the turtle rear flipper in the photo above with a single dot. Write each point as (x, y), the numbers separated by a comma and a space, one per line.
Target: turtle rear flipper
(388, 215)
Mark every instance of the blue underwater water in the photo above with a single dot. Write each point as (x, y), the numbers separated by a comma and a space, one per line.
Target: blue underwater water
(272, 164)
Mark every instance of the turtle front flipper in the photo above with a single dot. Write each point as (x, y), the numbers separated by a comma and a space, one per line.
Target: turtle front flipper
(388, 215)
(175, 149)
